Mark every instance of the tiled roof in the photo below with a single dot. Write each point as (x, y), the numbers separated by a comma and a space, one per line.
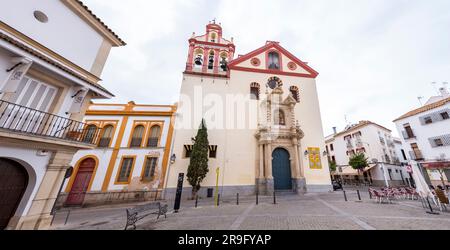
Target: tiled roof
(50, 61)
(360, 125)
(424, 109)
(100, 21)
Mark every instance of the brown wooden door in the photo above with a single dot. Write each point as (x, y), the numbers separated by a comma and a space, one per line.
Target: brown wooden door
(81, 183)
(13, 183)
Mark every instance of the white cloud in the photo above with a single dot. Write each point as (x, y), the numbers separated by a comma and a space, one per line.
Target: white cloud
(374, 56)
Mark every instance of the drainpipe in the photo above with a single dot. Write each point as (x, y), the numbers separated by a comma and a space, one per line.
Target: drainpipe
(384, 174)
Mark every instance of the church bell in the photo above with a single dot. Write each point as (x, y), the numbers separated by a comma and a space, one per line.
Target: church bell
(223, 64)
(198, 61)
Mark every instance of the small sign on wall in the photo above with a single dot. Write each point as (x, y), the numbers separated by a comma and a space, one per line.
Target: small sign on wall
(314, 158)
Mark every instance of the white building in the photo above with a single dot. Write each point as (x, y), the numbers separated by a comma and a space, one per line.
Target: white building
(377, 143)
(52, 53)
(131, 157)
(426, 136)
(263, 118)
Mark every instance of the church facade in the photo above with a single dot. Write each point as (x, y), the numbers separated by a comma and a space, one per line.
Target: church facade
(263, 117)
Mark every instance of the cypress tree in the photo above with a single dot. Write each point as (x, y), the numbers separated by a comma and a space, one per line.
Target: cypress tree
(198, 166)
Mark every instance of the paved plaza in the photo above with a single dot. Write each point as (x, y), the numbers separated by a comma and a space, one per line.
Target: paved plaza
(292, 212)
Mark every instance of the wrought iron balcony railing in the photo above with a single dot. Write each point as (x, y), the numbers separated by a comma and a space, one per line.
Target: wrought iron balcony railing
(408, 134)
(21, 119)
(416, 155)
(152, 142)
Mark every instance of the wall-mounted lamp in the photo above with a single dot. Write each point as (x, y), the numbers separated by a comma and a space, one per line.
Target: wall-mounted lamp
(173, 158)
(306, 153)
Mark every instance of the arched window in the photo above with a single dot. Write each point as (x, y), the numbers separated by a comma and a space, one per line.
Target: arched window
(106, 136)
(213, 37)
(274, 60)
(138, 134)
(295, 93)
(89, 136)
(279, 117)
(254, 91)
(153, 139)
(211, 60)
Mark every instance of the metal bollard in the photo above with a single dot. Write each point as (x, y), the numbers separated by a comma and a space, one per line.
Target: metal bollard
(345, 196)
(431, 208)
(237, 199)
(257, 198)
(67, 217)
(274, 198)
(196, 201)
(370, 195)
(156, 195)
(218, 199)
(359, 195)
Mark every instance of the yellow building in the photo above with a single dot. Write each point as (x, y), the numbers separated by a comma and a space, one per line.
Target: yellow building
(131, 157)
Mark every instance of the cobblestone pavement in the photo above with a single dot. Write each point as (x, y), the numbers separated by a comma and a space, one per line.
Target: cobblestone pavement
(302, 212)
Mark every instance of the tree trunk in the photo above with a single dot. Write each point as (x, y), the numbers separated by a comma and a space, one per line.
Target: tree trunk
(194, 192)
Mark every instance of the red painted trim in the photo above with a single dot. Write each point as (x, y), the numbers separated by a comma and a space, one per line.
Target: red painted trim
(213, 44)
(207, 74)
(270, 45)
(273, 72)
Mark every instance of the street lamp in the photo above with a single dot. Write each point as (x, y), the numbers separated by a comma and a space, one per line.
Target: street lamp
(173, 158)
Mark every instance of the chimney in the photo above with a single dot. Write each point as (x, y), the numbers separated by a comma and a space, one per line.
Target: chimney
(444, 92)
(335, 130)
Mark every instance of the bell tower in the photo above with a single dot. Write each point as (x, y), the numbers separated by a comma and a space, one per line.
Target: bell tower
(210, 53)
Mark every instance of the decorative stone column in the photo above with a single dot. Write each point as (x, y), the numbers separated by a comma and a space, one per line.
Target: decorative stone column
(300, 181)
(260, 179)
(38, 216)
(269, 176)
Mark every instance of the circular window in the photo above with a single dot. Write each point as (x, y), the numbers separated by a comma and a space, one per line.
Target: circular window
(274, 82)
(292, 66)
(255, 62)
(40, 16)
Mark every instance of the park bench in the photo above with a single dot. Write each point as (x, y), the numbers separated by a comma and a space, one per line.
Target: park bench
(139, 212)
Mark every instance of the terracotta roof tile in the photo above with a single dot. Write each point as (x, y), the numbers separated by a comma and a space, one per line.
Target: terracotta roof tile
(100, 21)
(424, 109)
(358, 126)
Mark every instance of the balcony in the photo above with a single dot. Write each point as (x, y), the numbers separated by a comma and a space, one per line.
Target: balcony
(416, 155)
(152, 142)
(349, 145)
(15, 118)
(408, 134)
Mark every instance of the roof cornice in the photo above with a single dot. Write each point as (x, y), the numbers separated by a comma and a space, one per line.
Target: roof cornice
(95, 22)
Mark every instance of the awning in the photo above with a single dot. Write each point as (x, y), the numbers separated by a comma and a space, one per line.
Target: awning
(348, 170)
(437, 165)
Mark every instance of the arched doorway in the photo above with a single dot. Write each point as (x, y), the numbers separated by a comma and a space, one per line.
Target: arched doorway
(81, 182)
(281, 169)
(13, 183)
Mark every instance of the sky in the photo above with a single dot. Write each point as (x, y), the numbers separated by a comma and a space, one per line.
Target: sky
(375, 57)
